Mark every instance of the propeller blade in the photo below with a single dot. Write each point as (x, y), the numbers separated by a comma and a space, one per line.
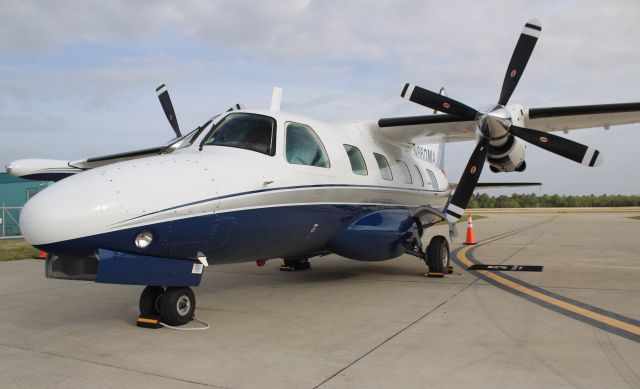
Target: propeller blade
(438, 102)
(165, 101)
(458, 203)
(519, 59)
(563, 147)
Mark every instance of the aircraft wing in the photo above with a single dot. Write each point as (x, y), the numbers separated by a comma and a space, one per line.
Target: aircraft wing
(444, 128)
(496, 185)
(582, 116)
(56, 170)
(427, 129)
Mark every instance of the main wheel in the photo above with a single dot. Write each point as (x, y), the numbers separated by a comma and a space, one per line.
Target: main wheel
(438, 255)
(177, 306)
(150, 300)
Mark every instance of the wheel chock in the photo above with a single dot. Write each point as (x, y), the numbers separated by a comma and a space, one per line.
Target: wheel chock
(148, 321)
(450, 270)
(435, 275)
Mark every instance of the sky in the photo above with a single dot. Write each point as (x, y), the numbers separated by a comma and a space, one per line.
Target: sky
(78, 77)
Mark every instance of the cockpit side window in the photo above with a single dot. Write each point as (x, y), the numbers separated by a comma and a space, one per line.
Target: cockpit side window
(245, 131)
(303, 147)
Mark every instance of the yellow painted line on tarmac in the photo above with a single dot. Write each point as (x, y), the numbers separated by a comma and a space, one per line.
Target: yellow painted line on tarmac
(462, 256)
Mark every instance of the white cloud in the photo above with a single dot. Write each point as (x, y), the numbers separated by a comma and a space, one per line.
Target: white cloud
(336, 59)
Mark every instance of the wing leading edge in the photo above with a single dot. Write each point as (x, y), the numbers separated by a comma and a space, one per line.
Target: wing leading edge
(443, 128)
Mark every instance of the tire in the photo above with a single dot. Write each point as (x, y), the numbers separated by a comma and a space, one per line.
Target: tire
(438, 255)
(150, 300)
(177, 306)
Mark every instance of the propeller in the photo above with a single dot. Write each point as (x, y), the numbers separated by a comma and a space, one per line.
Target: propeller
(438, 102)
(496, 124)
(167, 106)
(165, 101)
(561, 146)
(519, 58)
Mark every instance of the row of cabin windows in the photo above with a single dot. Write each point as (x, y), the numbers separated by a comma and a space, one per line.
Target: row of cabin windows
(303, 146)
(359, 166)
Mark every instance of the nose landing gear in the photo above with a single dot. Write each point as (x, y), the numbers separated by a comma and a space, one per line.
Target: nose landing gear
(174, 306)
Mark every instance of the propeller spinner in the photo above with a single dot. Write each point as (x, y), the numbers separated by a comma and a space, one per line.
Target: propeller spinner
(495, 125)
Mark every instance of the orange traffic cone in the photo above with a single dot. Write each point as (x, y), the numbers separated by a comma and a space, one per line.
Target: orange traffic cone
(42, 255)
(471, 239)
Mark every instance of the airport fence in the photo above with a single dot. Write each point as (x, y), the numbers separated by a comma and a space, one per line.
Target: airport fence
(9, 222)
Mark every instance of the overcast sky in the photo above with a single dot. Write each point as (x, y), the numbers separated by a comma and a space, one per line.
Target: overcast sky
(78, 78)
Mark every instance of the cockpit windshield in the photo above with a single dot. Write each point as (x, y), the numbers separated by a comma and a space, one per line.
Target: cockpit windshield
(188, 139)
(246, 131)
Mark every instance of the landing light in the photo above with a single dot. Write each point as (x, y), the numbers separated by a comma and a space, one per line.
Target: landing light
(143, 239)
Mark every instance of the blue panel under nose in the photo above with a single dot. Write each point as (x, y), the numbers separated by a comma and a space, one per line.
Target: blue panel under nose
(133, 269)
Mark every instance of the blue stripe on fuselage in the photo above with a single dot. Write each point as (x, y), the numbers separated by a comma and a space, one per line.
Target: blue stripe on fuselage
(237, 236)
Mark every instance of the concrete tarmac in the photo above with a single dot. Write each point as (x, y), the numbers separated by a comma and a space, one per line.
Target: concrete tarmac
(346, 324)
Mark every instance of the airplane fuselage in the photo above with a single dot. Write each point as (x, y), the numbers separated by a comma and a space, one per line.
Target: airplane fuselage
(234, 204)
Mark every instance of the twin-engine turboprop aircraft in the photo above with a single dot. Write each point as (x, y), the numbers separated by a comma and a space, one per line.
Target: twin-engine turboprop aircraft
(259, 184)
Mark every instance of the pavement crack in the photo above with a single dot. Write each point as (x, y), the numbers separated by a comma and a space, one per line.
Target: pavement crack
(388, 339)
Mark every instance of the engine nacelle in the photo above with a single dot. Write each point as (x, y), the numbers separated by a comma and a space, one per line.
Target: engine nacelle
(507, 157)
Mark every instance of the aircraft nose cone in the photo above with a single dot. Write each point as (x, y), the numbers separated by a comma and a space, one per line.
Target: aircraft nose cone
(83, 212)
(59, 212)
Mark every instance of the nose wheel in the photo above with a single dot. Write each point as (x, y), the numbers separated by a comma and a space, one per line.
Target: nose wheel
(174, 305)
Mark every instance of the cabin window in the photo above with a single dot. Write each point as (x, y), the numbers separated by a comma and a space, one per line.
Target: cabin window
(420, 179)
(358, 165)
(404, 172)
(383, 167)
(245, 131)
(432, 178)
(303, 147)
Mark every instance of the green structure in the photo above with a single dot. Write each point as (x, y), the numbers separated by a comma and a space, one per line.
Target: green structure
(14, 192)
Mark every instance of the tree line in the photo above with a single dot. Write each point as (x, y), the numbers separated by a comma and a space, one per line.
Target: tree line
(534, 201)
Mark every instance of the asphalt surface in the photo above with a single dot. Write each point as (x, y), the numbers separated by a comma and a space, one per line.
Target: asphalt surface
(346, 324)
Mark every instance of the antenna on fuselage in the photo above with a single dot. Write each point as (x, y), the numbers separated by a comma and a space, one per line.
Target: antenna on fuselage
(276, 99)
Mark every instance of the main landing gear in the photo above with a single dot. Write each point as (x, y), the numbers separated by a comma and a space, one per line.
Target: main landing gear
(175, 306)
(435, 256)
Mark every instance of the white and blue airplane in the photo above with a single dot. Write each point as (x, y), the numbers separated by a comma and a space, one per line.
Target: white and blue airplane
(252, 185)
